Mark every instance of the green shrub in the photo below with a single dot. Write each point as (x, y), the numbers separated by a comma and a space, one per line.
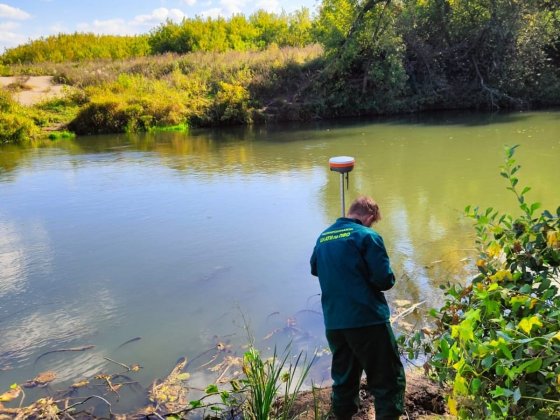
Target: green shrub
(77, 47)
(231, 105)
(15, 125)
(497, 340)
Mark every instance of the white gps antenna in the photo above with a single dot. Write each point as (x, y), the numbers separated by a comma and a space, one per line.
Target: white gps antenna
(342, 165)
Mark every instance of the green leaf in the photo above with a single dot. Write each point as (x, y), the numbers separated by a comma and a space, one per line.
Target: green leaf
(527, 289)
(505, 351)
(195, 403)
(535, 206)
(525, 190)
(211, 389)
(531, 366)
(487, 361)
(444, 348)
(475, 385)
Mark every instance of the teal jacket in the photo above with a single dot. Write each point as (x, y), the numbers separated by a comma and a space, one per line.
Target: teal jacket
(354, 270)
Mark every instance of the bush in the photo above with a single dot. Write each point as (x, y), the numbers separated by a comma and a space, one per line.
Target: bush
(497, 340)
(77, 47)
(15, 125)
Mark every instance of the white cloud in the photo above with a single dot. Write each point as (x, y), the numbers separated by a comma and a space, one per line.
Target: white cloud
(189, 2)
(232, 6)
(109, 26)
(10, 12)
(58, 28)
(9, 26)
(10, 39)
(226, 9)
(269, 6)
(158, 16)
(137, 25)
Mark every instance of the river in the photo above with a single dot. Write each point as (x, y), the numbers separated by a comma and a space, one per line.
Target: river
(201, 241)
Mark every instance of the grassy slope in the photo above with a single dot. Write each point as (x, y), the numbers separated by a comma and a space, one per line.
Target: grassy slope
(197, 89)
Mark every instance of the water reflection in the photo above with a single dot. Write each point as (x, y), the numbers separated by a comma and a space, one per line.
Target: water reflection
(53, 325)
(23, 251)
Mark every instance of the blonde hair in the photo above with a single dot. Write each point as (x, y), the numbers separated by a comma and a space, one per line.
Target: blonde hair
(365, 206)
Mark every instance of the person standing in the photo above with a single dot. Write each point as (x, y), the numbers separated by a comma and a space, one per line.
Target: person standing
(354, 269)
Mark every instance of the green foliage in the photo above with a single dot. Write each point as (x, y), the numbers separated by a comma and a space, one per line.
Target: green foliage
(16, 125)
(77, 47)
(199, 89)
(498, 338)
(265, 379)
(240, 33)
(57, 135)
(365, 72)
(481, 53)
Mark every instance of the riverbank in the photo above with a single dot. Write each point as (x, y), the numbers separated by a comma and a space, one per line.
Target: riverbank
(143, 94)
(424, 399)
(202, 89)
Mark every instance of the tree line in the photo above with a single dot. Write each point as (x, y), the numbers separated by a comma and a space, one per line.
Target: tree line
(239, 32)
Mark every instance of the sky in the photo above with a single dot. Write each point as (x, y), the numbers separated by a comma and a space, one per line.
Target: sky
(23, 20)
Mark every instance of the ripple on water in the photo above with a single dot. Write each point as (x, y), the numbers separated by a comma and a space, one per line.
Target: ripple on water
(50, 327)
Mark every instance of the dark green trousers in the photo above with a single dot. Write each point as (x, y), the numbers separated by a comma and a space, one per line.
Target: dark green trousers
(371, 349)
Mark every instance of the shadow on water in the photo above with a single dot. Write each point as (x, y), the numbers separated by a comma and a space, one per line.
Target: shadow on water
(201, 141)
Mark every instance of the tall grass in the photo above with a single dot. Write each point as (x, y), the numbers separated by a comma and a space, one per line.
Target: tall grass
(273, 384)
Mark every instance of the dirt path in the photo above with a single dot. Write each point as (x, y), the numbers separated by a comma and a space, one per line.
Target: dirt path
(29, 90)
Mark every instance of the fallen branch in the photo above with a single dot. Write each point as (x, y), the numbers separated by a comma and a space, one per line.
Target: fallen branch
(406, 312)
(87, 399)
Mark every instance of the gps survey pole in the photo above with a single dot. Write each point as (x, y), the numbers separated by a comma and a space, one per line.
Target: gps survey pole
(342, 165)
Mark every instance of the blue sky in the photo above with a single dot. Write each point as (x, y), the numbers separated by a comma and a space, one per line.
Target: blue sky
(22, 20)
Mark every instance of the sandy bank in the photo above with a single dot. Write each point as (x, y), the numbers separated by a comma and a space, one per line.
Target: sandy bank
(29, 90)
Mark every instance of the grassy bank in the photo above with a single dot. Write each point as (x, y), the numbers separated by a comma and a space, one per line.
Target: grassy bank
(149, 93)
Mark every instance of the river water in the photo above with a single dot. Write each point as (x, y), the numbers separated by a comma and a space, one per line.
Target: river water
(201, 241)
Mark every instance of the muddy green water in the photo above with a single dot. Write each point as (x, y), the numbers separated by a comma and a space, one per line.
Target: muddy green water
(182, 239)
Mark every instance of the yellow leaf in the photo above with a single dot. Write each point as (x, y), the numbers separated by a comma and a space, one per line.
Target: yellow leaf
(552, 238)
(494, 250)
(533, 303)
(460, 385)
(452, 406)
(459, 365)
(557, 336)
(10, 395)
(454, 331)
(527, 323)
(500, 275)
